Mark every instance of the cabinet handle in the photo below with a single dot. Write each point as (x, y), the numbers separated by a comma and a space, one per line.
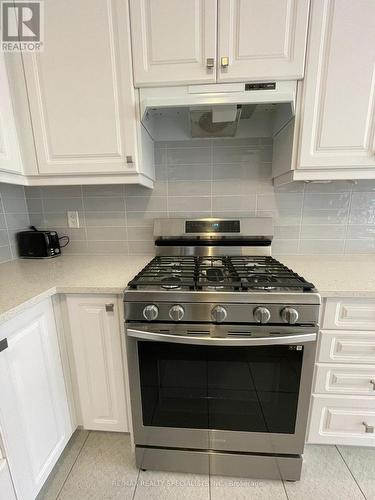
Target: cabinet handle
(210, 62)
(109, 308)
(372, 382)
(129, 159)
(368, 428)
(3, 344)
(224, 62)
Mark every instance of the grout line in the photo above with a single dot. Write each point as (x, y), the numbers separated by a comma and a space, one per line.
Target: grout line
(126, 222)
(347, 221)
(212, 174)
(165, 164)
(71, 468)
(301, 219)
(6, 228)
(285, 490)
(136, 484)
(351, 473)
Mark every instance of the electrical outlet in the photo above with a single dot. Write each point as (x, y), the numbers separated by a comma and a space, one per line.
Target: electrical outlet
(73, 219)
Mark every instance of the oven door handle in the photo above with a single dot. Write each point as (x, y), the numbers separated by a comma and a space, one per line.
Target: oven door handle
(225, 341)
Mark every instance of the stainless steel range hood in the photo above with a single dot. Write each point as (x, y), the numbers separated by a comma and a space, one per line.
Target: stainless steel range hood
(219, 110)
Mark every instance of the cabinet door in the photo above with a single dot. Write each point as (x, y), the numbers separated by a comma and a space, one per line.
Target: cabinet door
(338, 106)
(262, 39)
(80, 89)
(348, 420)
(10, 157)
(96, 343)
(34, 414)
(173, 40)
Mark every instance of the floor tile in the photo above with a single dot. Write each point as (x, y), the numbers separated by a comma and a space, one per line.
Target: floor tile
(105, 469)
(62, 469)
(324, 477)
(232, 488)
(154, 485)
(361, 462)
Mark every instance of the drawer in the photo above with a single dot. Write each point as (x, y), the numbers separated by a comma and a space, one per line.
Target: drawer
(342, 420)
(357, 380)
(346, 347)
(349, 314)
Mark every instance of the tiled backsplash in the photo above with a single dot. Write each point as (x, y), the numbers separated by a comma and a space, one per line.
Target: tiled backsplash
(230, 177)
(13, 217)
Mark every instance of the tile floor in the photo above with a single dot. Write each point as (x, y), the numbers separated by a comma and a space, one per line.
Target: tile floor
(100, 466)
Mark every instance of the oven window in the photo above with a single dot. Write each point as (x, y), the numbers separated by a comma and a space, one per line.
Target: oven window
(252, 389)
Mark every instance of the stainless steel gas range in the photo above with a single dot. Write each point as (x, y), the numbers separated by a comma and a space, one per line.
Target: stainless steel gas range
(221, 344)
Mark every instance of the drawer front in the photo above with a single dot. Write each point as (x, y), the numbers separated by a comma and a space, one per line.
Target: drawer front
(349, 314)
(342, 420)
(345, 379)
(346, 347)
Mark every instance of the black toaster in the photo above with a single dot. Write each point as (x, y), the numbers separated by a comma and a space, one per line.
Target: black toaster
(38, 244)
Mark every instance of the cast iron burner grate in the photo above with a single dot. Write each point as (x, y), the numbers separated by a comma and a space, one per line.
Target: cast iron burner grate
(242, 273)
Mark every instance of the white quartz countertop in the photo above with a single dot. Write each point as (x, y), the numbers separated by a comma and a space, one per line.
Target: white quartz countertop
(336, 275)
(25, 282)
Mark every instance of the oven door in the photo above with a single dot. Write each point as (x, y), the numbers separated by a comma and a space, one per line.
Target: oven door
(236, 394)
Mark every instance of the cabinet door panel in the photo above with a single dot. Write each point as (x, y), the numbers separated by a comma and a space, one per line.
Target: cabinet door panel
(263, 39)
(34, 410)
(172, 40)
(80, 89)
(10, 157)
(97, 352)
(342, 420)
(338, 107)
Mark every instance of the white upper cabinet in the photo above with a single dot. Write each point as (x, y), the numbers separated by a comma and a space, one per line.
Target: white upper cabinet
(10, 157)
(262, 39)
(338, 115)
(174, 41)
(82, 102)
(204, 41)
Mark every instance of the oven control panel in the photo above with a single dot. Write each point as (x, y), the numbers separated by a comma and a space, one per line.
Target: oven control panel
(272, 314)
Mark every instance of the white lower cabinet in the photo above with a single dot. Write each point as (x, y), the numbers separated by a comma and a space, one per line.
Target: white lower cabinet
(6, 485)
(342, 420)
(343, 400)
(96, 341)
(34, 415)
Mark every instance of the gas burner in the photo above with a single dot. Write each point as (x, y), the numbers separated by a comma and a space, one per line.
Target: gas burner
(212, 262)
(260, 279)
(171, 282)
(214, 274)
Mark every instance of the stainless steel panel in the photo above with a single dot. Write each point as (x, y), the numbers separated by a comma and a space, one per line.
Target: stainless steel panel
(258, 442)
(200, 312)
(212, 251)
(225, 341)
(249, 226)
(221, 297)
(217, 463)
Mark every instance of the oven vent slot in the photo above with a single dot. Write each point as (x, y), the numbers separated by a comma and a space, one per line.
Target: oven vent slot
(239, 332)
(198, 332)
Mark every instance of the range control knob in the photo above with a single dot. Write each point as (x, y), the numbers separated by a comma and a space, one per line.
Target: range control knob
(151, 312)
(176, 312)
(219, 314)
(289, 315)
(261, 315)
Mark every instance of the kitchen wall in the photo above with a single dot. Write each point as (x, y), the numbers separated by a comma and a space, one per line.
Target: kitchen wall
(202, 178)
(13, 217)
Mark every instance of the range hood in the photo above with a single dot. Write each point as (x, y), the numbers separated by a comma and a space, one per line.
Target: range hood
(218, 110)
